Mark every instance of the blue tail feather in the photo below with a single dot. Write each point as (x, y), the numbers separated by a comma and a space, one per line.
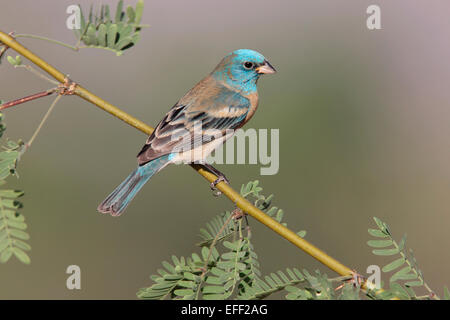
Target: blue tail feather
(118, 200)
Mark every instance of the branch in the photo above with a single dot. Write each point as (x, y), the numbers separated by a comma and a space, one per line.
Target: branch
(226, 189)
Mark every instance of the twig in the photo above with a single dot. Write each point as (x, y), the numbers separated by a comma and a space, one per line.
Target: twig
(27, 98)
(43, 120)
(66, 88)
(32, 36)
(34, 71)
(216, 238)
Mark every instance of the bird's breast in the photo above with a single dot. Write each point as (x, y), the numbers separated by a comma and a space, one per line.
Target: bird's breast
(253, 98)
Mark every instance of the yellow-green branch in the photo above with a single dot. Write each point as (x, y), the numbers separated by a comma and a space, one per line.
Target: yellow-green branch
(226, 189)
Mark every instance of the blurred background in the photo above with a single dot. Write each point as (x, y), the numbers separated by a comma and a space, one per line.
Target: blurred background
(364, 122)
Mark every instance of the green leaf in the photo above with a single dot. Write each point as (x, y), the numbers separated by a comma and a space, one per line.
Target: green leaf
(399, 291)
(403, 274)
(213, 289)
(414, 283)
(5, 255)
(190, 276)
(18, 60)
(385, 252)
(169, 267)
(22, 245)
(279, 215)
(123, 42)
(381, 225)
(186, 284)
(91, 20)
(377, 233)
(82, 21)
(229, 245)
(240, 266)
(4, 244)
(130, 13)
(229, 255)
(401, 245)
(21, 255)
(11, 203)
(91, 35)
(183, 292)
(225, 264)
(214, 280)
(301, 233)
(11, 193)
(11, 60)
(218, 271)
(102, 29)
(111, 35)
(298, 273)
(107, 15)
(139, 11)
(119, 11)
(205, 253)
(196, 258)
(149, 294)
(172, 277)
(19, 234)
(17, 224)
(162, 285)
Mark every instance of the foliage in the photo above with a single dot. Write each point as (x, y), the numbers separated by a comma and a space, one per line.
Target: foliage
(182, 279)
(406, 277)
(12, 223)
(117, 33)
(228, 266)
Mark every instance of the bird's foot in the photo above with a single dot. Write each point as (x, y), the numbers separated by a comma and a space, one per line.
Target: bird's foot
(221, 178)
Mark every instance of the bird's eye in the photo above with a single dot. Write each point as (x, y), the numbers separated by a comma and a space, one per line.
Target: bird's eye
(248, 65)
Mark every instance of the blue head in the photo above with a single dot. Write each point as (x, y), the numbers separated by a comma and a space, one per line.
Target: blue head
(241, 69)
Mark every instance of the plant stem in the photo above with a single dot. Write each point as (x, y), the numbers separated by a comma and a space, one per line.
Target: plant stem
(26, 99)
(43, 120)
(413, 269)
(213, 244)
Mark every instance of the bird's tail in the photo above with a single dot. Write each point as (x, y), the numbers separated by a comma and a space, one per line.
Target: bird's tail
(118, 200)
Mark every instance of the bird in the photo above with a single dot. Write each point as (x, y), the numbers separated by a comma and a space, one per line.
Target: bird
(220, 103)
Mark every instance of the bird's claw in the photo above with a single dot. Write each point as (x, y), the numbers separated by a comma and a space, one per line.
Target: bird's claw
(217, 192)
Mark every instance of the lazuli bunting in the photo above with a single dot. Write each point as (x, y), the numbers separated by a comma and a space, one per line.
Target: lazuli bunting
(222, 102)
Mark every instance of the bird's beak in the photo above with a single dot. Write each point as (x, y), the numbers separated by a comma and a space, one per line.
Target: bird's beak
(266, 68)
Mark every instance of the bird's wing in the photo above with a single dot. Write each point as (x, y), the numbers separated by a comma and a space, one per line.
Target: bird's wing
(207, 111)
